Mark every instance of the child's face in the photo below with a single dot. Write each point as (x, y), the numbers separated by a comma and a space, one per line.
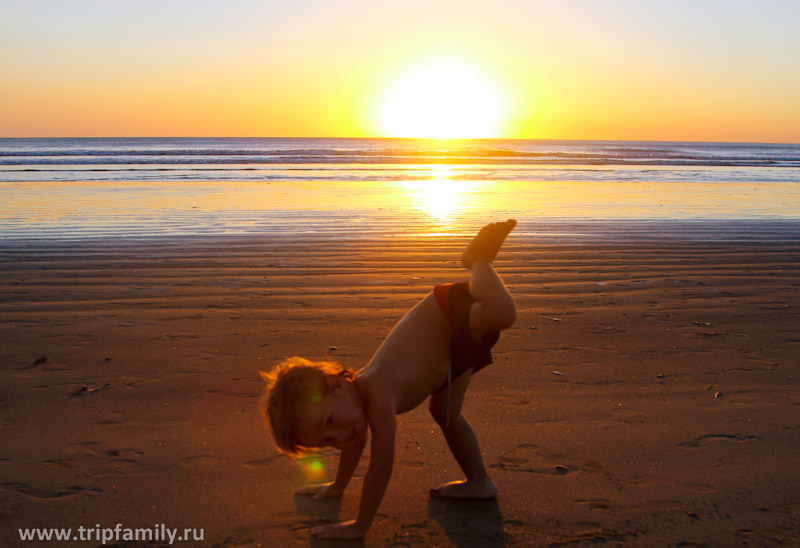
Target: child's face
(338, 420)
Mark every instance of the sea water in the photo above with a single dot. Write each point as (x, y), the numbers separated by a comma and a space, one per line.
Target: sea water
(144, 187)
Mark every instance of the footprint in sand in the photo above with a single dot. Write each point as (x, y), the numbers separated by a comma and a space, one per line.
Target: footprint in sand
(125, 455)
(596, 504)
(245, 394)
(599, 536)
(528, 458)
(201, 460)
(113, 418)
(700, 487)
(260, 462)
(702, 440)
(86, 390)
(44, 494)
(519, 455)
(59, 463)
(185, 335)
(38, 361)
(85, 448)
(412, 464)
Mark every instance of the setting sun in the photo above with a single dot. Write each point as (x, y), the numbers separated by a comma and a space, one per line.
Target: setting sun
(441, 99)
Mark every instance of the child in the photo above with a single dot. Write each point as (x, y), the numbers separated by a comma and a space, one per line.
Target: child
(432, 351)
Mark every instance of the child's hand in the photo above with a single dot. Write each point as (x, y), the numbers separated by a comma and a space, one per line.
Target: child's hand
(320, 491)
(344, 530)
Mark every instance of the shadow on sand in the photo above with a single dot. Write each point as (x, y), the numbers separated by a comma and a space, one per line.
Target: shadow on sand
(469, 523)
(320, 512)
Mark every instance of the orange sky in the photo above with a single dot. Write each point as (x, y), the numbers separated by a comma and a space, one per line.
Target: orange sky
(575, 69)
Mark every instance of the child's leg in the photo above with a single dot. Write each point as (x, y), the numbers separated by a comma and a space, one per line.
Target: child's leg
(463, 444)
(494, 308)
(485, 245)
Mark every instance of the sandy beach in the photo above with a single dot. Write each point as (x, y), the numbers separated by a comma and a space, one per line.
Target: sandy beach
(648, 395)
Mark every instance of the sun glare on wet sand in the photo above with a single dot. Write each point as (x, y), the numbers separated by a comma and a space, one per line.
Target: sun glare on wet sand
(439, 197)
(441, 99)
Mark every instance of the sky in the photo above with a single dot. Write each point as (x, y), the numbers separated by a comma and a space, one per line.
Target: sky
(685, 70)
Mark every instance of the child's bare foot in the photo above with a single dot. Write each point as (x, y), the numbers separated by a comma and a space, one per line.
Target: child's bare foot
(475, 489)
(487, 243)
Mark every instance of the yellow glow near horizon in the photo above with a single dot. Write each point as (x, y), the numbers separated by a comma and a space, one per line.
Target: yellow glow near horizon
(441, 99)
(430, 69)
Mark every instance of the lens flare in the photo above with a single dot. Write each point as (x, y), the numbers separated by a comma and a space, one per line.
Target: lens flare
(313, 467)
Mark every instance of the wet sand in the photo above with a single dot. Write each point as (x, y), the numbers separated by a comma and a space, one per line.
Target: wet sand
(648, 395)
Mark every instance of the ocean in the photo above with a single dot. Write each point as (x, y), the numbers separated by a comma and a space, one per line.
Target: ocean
(155, 187)
(263, 159)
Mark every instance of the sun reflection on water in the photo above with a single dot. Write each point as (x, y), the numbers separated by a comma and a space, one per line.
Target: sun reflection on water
(440, 197)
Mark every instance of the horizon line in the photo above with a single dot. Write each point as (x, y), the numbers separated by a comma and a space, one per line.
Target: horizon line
(425, 139)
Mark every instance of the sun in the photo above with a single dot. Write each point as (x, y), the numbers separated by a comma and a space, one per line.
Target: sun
(441, 99)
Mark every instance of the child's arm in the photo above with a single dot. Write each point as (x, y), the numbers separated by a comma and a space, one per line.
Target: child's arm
(383, 424)
(348, 461)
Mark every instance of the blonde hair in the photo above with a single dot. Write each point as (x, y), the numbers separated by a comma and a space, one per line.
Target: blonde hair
(292, 385)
